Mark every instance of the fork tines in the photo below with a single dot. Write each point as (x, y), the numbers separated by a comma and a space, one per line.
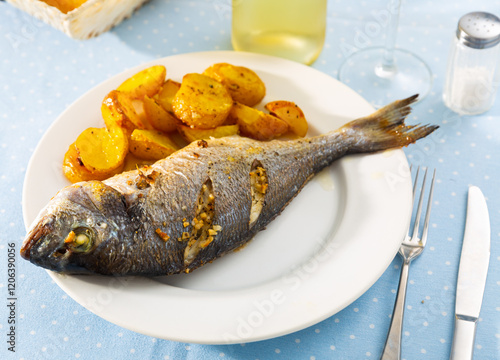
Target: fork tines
(416, 225)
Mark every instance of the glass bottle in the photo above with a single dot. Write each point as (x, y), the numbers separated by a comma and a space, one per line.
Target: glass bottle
(473, 73)
(292, 29)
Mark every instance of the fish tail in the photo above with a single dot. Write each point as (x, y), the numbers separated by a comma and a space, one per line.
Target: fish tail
(385, 128)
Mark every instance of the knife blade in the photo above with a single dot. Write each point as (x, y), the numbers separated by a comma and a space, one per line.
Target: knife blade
(472, 272)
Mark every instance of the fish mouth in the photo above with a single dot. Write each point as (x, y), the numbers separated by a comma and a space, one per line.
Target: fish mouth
(38, 232)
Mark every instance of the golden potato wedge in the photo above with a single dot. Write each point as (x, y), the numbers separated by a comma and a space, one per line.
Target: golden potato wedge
(75, 171)
(132, 162)
(158, 117)
(102, 150)
(73, 167)
(192, 134)
(290, 113)
(167, 93)
(147, 82)
(201, 102)
(256, 124)
(151, 145)
(243, 84)
(119, 109)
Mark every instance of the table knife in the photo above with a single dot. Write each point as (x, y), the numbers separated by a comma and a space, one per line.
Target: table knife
(472, 273)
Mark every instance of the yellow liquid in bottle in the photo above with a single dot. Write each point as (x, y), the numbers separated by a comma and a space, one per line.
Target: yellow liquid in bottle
(292, 29)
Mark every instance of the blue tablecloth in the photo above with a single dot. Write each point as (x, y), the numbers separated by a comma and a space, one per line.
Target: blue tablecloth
(42, 71)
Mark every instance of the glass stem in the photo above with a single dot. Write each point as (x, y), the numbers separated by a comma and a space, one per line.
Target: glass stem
(388, 65)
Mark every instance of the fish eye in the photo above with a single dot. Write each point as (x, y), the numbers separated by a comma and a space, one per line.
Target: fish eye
(80, 239)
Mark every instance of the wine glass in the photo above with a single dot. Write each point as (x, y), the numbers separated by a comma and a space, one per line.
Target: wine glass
(384, 74)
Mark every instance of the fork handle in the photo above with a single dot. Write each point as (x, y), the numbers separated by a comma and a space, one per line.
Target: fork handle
(392, 348)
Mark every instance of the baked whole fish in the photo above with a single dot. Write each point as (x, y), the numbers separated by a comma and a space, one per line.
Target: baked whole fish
(198, 204)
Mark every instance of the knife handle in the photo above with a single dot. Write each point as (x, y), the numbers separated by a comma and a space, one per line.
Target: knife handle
(464, 335)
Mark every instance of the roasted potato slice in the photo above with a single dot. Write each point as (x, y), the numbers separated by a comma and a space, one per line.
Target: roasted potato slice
(132, 162)
(151, 145)
(201, 102)
(147, 82)
(75, 171)
(158, 117)
(167, 93)
(192, 134)
(256, 124)
(102, 150)
(290, 113)
(243, 84)
(119, 109)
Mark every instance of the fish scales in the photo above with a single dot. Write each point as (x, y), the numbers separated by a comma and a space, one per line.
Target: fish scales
(177, 187)
(145, 222)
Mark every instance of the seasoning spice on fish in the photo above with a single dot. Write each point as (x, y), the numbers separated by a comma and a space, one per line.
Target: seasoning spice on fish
(258, 187)
(203, 232)
(141, 183)
(162, 235)
(70, 238)
(202, 143)
(226, 213)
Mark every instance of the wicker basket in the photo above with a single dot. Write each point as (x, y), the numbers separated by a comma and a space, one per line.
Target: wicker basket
(90, 19)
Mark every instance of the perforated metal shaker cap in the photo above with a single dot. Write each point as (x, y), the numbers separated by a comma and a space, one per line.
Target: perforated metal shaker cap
(479, 30)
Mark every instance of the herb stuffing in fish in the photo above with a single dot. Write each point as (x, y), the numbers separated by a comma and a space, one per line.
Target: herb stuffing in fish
(198, 204)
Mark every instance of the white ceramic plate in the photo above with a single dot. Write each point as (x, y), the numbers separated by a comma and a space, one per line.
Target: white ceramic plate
(325, 250)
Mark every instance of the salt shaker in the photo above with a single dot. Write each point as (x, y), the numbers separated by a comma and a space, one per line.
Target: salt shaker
(473, 73)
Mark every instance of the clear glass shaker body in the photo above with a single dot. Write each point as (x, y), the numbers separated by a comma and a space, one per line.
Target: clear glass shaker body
(292, 29)
(471, 79)
(473, 73)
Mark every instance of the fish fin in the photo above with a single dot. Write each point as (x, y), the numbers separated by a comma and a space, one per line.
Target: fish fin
(385, 128)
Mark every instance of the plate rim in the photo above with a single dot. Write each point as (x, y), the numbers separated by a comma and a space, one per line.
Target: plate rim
(65, 285)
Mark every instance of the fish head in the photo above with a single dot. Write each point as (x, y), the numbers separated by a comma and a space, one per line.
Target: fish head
(76, 227)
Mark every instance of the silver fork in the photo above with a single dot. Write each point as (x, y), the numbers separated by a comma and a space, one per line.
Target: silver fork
(409, 250)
